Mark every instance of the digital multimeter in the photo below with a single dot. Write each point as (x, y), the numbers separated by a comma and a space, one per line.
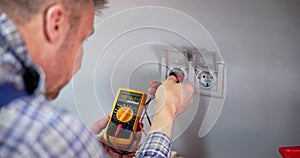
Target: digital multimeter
(126, 112)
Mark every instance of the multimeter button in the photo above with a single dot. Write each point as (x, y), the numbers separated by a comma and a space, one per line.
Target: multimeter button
(124, 114)
(128, 129)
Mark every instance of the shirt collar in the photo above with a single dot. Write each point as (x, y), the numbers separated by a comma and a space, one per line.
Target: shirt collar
(11, 39)
(11, 36)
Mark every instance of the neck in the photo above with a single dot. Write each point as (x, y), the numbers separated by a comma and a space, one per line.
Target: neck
(31, 37)
(32, 34)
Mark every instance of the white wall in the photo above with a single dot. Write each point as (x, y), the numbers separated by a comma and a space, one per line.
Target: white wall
(259, 41)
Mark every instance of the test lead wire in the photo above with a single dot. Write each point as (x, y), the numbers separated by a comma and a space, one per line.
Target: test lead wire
(146, 109)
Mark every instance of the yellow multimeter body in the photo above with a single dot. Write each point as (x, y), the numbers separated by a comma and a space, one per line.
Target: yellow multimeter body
(127, 108)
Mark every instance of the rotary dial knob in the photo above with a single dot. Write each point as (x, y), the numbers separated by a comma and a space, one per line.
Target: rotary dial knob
(124, 114)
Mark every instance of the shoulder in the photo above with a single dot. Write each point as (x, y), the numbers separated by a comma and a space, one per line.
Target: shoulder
(33, 123)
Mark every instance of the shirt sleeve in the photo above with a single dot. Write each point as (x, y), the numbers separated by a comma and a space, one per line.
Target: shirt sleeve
(157, 145)
(31, 127)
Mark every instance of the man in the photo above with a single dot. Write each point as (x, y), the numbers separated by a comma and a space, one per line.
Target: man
(40, 50)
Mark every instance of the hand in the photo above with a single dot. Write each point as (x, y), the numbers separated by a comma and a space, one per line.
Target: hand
(171, 100)
(100, 125)
(172, 97)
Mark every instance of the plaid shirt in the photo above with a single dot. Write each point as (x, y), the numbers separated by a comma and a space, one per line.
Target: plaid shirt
(31, 127)
(157, 145)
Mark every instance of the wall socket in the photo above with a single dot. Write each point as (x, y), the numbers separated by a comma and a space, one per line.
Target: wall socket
(203, 69)
(205, 79)
(175, 61)
(178, 72)
(209, 73)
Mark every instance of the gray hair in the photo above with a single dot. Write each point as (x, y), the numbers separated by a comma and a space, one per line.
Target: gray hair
(99, 5)
(21, 11)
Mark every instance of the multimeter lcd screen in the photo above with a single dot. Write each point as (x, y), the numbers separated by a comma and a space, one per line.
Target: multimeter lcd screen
(126, 96)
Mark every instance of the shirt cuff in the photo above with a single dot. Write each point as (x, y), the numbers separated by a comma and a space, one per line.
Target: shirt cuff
(157, 145)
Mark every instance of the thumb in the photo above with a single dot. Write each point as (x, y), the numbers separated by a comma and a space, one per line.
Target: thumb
(99, 125)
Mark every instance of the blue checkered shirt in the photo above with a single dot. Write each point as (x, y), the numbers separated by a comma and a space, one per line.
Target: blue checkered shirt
(31, 127)
(156, 145)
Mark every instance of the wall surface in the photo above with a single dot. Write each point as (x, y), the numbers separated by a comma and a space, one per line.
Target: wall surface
(259, 42)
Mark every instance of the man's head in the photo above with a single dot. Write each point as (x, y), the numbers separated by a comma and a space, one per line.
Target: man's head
(53, 31)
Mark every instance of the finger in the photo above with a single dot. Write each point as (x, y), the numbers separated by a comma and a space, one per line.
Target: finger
(153, 87)
(152, 90)
(112, 154)
(134, 146)
(187, 90)
(170, 80)
(138, 136)
(102, 139)
(99, 125)
(105, 143)
(184, 107)
(106, 147)
(190, 88)
(153, 83)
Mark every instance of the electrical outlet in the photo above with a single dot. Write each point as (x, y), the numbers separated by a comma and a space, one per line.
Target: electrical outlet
(205, 70)
(205, 79)
(182, 72)
(209, 73)
(175, 62)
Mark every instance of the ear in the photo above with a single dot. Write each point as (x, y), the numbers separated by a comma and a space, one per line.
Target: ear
(55, 23)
